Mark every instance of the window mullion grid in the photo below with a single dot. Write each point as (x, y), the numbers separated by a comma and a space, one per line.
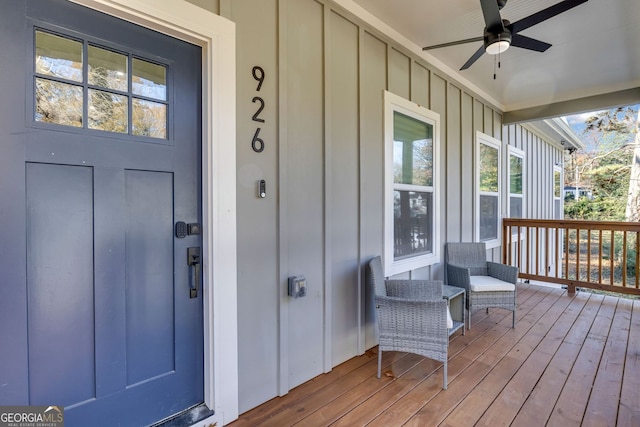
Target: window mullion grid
(85, 84)
(130, 94)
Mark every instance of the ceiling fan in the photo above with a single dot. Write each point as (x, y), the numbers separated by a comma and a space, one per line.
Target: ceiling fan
(499, 33)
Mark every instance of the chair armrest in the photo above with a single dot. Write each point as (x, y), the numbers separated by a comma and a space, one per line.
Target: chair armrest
(414, 289)
(406, 318)
(506, 273)
(458, 276)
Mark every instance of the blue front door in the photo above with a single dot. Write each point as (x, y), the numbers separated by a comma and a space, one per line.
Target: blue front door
(100, 148)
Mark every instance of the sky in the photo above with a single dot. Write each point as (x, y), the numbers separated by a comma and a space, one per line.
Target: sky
(576, 121)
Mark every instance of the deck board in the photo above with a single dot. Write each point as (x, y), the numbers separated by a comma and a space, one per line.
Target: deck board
(604, 410)
(542, 399)
(572, 403)
(629, 410)
(571, 360)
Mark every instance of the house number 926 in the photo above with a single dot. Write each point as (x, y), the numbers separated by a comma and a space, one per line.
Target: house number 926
(257, 143)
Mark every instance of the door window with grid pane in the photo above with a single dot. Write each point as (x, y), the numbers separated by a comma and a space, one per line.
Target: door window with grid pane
(80, 84)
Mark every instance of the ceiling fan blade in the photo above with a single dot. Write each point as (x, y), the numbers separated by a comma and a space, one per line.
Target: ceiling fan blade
(544, 14)
(525, 42)
(492, 18)
(473, 58)
(436, 46)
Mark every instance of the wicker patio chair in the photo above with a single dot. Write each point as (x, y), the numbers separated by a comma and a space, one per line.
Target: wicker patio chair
(488, 284)
(411, 315)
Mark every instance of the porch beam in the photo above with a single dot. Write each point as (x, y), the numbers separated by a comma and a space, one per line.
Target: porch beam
(573, 106)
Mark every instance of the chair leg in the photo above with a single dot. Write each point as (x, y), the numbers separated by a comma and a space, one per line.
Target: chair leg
(513, 321)
(444, 369)
(379, 361)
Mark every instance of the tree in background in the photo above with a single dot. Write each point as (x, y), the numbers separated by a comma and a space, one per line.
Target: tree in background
(610, 165)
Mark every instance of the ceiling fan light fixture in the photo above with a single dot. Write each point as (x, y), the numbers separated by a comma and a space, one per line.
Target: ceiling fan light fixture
(497, 43)
(498, 47)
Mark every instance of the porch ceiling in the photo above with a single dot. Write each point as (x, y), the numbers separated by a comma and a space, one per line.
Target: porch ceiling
(594, 61)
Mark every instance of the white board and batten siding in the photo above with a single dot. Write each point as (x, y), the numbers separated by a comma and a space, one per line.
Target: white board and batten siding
(323, 162)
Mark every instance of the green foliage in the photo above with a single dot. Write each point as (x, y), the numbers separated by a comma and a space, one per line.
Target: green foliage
(604, 167)
(488, 168)
(597, 209)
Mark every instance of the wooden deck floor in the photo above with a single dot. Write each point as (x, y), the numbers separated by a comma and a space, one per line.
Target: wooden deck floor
(570, 361)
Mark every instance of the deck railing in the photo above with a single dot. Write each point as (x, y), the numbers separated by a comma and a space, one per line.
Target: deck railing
(592, 254)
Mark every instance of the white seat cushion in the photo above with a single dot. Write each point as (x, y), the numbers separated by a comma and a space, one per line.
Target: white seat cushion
(488, 284)
(449, 319)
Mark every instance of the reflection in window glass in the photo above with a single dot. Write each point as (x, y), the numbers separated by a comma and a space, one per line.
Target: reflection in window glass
(412, 151)
(58, 103)
(488, 217)
(515, 175)
(515, 207)
(413, 216)
(149, 119)
(100, 95)
(58, 57)
(108, 111)
(149, 80)
(556, 183)
(107, 69)
(488, 168)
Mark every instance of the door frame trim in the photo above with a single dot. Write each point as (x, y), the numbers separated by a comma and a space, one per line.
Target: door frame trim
(216, 36)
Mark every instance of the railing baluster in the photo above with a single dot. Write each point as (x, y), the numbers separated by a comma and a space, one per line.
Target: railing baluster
(637, 258)
(557, 252)
(624, 259)
(600, 256)
(546, 251)
(528, 258)
(611, 256)
(589, 256)
(519, 247)
(537, 251)
(577, 254)
(566, 253)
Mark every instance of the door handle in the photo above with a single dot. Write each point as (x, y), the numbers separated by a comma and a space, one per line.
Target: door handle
(194, 263)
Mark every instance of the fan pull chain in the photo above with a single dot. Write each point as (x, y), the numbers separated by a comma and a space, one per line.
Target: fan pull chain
(496, 59)
(494, 67)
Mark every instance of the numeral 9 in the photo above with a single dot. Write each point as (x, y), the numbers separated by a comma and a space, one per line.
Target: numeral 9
(258, 74)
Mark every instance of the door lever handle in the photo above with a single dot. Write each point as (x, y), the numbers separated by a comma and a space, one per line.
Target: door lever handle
(194, 262)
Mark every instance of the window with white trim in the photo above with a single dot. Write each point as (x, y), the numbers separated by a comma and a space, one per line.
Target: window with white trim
(516, 182)
(488, 186)
(411, 185)
(557, 192)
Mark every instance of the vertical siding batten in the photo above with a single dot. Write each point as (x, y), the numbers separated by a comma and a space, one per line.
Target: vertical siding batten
(438, 93)
(466, 161)
(343, 181)
(454, 165)
(305, 99)
(373, 82)
(420, 84)
(283, 247)
(327, 194)
(258, 281)
(361, 255)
